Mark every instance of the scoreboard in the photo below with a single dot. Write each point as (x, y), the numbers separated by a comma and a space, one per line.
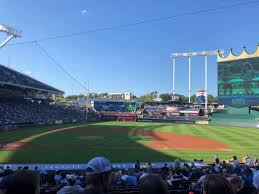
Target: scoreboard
(238, 80)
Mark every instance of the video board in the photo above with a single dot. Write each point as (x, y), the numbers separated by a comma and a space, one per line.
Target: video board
(114, 106)
(238, 82)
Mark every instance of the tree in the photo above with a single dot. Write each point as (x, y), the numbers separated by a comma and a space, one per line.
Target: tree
(103, 95)
(59, 99)
(182, 98)
(165, 97)
(93, 95)
(212, 99)
(193, 98)
(71, 97)
(148, 97)
(144, 98)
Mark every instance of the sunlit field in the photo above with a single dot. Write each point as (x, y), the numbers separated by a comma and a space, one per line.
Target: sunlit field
(126, 142)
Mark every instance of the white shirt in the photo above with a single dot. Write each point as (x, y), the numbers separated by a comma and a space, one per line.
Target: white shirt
(235, 163)
(249, 162)
(217, 167)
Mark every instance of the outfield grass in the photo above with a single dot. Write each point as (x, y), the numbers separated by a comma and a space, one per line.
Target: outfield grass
(119, 146)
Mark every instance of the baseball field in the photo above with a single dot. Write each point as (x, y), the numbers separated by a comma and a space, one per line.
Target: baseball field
(126, 142)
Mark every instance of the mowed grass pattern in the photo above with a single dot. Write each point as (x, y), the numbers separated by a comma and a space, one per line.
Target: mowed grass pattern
(116, 143)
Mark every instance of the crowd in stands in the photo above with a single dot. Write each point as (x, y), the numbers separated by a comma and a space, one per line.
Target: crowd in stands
(38, 113)
(99, 177)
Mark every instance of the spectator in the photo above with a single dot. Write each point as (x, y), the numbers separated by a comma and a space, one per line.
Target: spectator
(256, 183)
(64, 177)
(98, 176)
(4, 182)
(8, 171)
(177, 164)
(236, 182)
(137, 174)
(247, 175)
(130, 179)
(149, 167)
(144, 174)
(24, 182)
(248, 161)
(1, 174)
(165, 169)
(217, 165)
(235, 162)
(43, 176)
(153, 184)
(137, 165)
(202, 178)
(225, 173)
(72, 187)
(215, 184)
(224, 164)
(117, 178)
(57, 177)
(177, 177)
(26, 168)
(216, 156)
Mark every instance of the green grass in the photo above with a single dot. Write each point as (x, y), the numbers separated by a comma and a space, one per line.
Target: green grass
(119, 146)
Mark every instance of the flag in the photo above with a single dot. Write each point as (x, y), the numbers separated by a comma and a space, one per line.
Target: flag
(200, 95)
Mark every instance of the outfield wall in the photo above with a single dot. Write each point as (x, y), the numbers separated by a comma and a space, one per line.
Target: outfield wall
(235, 117)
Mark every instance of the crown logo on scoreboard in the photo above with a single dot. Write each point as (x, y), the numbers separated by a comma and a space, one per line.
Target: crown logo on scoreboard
(244, 55)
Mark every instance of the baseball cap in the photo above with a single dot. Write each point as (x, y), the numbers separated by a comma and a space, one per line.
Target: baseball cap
(256, 181)
(98, 165)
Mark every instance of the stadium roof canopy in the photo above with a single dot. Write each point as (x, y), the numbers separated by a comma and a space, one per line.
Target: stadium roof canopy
(14, 78)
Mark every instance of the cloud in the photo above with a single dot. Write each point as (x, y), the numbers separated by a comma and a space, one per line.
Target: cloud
(83, 11)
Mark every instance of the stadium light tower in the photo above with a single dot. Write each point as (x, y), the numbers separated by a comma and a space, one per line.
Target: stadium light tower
(189, 56)
(10, 32)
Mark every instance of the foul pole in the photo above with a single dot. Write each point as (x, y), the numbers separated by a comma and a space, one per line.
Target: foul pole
(173, 75)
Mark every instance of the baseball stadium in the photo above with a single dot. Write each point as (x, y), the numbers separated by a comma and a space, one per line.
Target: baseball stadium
(117, 143)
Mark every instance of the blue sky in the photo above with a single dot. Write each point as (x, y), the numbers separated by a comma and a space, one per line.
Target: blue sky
(132, 59)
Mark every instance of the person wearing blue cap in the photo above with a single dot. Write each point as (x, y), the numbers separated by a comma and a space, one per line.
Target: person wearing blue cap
(98, 176)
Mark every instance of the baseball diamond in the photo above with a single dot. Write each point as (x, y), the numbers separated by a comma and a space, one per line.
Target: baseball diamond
(123, 141)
